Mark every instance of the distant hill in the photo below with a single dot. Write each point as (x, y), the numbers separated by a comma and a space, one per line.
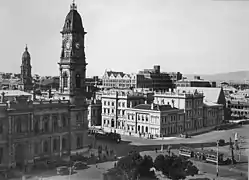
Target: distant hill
(238, 76)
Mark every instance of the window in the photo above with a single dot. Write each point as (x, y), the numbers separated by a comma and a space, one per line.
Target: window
(36, 148)
(64, 121)
(55, 123)
(78, 79)
(1, 128)
(46, 126)
(45, 146)
(65, 80)
(54, 144)
(36, 128)
(78, 142)
(63, 143)
(112, 103)
(19, 126)
(1, 155)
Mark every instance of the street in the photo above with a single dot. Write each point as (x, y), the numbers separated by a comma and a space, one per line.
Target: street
(147, 145)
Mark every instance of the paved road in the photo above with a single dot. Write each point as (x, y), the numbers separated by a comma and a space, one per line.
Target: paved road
(131, 143)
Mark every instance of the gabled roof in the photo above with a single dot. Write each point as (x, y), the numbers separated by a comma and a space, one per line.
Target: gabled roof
(210, 94)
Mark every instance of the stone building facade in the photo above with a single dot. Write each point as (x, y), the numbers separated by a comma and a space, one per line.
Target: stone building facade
(151, 120)
(34, 131)
(114, 104)
(192, 103)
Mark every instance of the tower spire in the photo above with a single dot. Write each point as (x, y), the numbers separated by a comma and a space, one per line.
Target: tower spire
(26, 47)
(73, 6)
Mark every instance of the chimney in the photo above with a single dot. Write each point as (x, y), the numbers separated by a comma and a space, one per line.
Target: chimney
(3, 96)
(152, 105)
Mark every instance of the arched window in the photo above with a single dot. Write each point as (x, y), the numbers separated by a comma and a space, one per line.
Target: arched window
(78, 142)
(45, 124)
(45, 146)
(36, 127)
(55, 123)
(64, 121)
(65, 80)
(55, 144)
(19, 126)
(63, 143)
(77, 78)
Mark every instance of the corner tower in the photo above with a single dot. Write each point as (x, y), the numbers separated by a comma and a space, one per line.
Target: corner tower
(26, 77)
(73, 61)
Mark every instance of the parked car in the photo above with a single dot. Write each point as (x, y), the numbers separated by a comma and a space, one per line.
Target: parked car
(79, 165)
(63, 170)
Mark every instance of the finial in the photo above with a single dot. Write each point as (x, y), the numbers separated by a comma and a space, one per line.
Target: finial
(73, 6)
(26, 48)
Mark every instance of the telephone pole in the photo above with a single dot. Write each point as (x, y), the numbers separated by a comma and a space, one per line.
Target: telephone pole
(217, 164)
(231, 147)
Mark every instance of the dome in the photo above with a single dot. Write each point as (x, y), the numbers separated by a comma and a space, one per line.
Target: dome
(73, 21)
(26, 55)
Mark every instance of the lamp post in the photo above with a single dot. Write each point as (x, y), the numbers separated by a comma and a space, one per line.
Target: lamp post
(217, 159)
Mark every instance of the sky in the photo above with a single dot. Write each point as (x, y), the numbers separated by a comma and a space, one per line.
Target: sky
(188, 36)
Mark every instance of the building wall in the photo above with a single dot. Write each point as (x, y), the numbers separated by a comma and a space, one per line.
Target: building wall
(192, 105)
(38, 131)
(114, 105)
(94, 113)
(155, 123)
(213, 115)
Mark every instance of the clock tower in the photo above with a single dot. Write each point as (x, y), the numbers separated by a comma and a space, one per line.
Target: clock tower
(73, 61)
(72, 76)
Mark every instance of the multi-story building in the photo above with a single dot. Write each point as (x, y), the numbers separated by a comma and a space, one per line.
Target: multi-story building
(94, 112)
(114, 104)
(196, 82)
(175, 76)
(151, 120)
(153, 79)
(113, 79)
(214, 101)
(34, 130)
(190, 102)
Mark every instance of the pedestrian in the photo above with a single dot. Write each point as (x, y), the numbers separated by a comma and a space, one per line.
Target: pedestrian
(156, 150)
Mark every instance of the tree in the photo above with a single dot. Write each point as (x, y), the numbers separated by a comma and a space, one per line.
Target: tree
(134, 165)
(175, 167)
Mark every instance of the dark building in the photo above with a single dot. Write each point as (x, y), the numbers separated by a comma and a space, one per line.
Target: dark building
(26, 77)
(154, 79)
(196, 82)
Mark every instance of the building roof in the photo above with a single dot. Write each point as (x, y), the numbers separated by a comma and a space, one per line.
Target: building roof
(155, 107)
(73, 21)
(26, 56)
(14, 93)
(210, 94)
(208, 103)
